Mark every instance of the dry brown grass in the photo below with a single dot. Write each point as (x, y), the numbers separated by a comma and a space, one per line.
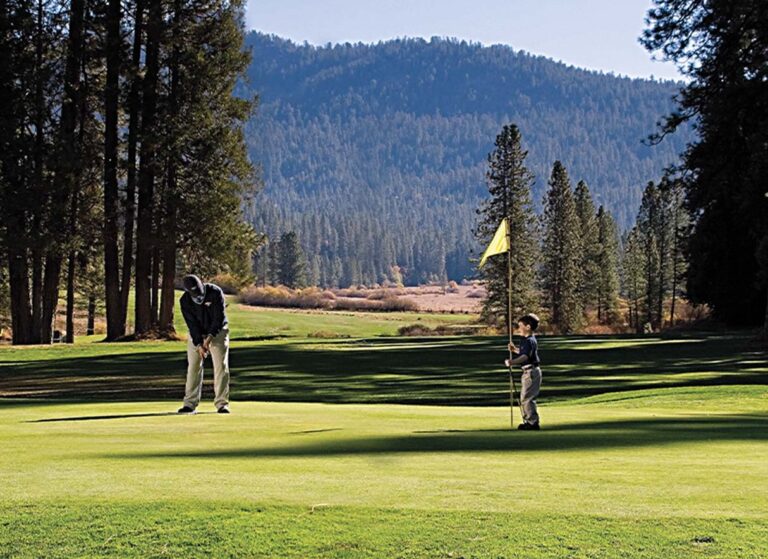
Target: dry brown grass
(315, 298)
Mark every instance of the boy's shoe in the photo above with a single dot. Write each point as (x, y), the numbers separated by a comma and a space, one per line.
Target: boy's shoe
(186, 409)
(528, 427)
(223, 409)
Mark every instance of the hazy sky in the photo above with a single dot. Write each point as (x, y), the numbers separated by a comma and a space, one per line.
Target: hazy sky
(595, 34)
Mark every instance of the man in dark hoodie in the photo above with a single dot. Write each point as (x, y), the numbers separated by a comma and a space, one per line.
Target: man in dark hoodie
(202, 306)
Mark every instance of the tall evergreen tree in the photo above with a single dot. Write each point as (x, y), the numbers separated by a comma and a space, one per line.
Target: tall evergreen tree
(273, 265)
(720, 46)
(509, 185)
(680, 224)
(16, 210)
(607, 267)
(634, 277)
(114, 50)
(649, 225)
(590, 246)
(562, 252)
(69, 176)
(149, 169)
(292, 271)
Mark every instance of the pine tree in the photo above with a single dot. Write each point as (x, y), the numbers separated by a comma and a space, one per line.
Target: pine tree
(273, 259)
(5, 298)
(590, 247)
(206, 174)
(652, 232)
(149, 170)
(313, 271)
(720, 46)
(607, 267)
(114, 49)
(634, 277)
(292, 269)
(561, 251)
(680, 222)
(509, 184)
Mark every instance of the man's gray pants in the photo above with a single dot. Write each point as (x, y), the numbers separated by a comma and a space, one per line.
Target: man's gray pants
(531, 385)
(219, 352)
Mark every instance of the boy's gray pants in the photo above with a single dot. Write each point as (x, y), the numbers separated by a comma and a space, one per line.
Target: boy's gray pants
(531, 385)
(219, 352)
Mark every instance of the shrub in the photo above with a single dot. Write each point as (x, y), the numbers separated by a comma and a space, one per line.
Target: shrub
(381, 294)
(414, 330)
(315, 298)
(394, 303)
(348, 304)
(351, 292)
(281, 296)
(229, 283)
(440, 330)
(327, 335)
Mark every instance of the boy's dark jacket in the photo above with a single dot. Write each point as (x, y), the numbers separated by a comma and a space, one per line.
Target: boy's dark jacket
(530, 347)
(207, 318)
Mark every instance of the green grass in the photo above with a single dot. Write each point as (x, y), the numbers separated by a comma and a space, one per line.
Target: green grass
(652, 447)
(452, 370)
(666, 479)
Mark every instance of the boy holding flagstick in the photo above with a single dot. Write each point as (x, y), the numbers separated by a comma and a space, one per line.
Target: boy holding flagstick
(527, 355)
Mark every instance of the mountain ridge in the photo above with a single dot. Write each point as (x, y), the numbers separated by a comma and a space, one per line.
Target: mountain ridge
(398, 132)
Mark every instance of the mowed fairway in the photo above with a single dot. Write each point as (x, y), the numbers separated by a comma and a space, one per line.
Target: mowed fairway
(652, 448)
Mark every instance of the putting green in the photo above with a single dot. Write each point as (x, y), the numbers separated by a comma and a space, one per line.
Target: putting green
(669, 472)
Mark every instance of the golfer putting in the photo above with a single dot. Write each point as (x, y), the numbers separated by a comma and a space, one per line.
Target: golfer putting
(203, 308)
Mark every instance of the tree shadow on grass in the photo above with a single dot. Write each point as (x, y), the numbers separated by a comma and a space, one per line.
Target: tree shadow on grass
(452, 371)
(568, 437)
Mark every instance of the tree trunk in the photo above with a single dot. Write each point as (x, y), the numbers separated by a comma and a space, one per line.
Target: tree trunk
(67, 175)
(37, 295)
(21, 319)
(134, 106)
(91, 315)
(155, 294)
(147, 173)
(765, 322)
(674, 285)
(169, 231)
(115, 314)
(675, 254)
(169, 279)
(50, 295)
(70, 337)
(662, 277)
(39, 187)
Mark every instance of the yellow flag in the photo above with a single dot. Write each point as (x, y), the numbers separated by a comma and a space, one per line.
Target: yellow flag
(499, 244)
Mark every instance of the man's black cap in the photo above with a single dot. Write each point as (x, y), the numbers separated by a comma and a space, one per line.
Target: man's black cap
(193, 285)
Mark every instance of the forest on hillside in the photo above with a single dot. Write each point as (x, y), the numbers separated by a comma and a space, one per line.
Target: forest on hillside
(375, 155)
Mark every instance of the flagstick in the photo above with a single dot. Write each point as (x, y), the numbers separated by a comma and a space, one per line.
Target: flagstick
(494, 248)
(509, 328)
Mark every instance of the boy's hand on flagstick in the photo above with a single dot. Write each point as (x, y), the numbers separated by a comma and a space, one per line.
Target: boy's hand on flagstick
(512, 348)
(506, 362)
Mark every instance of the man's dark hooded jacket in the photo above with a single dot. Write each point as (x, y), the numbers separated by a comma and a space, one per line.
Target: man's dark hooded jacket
(208, 318)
